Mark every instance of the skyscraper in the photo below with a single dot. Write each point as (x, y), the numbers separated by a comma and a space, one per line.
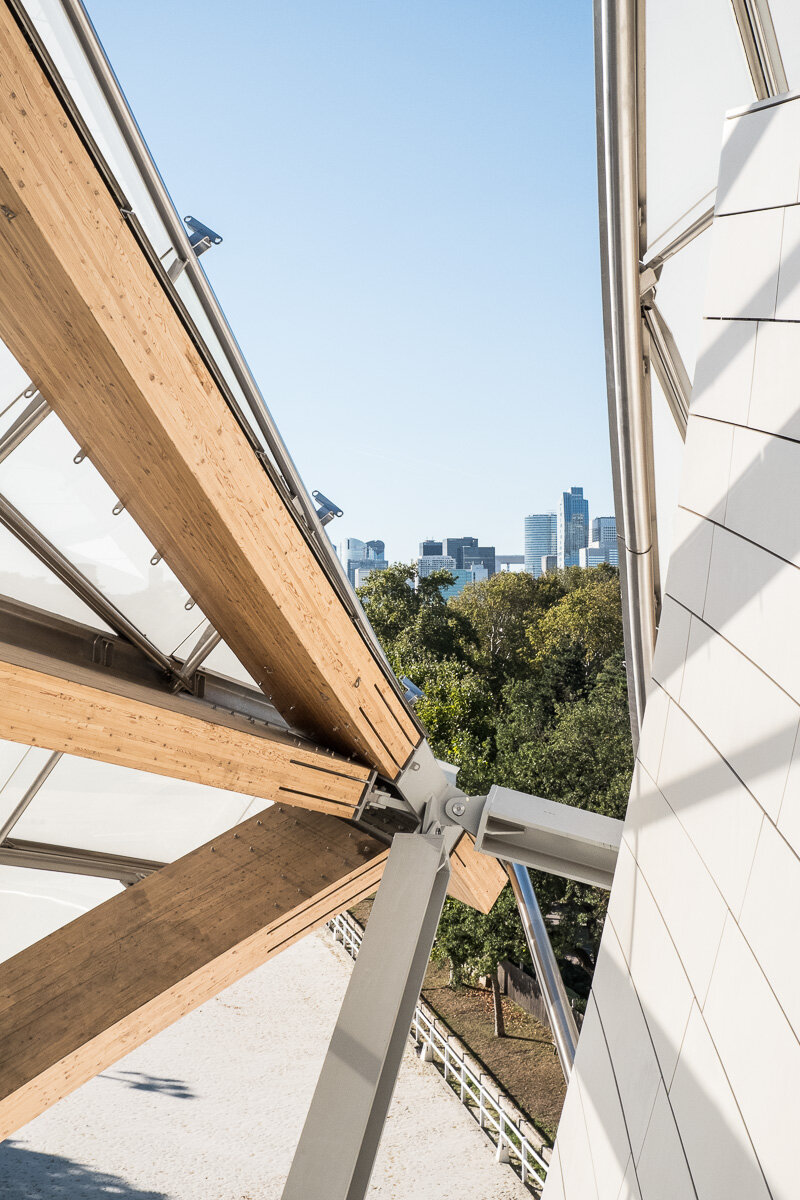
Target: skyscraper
(428, 548)
(573, 526)
(604, 533)
(455, 548)
(368, 555)
(478, 556)
(428, 563)
(540, 540)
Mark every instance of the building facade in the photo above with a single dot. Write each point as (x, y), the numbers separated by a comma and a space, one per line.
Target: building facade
(573, 527)
(541, 537)
(369, 556)
(430, 547)
(428, 563)
(604, 533)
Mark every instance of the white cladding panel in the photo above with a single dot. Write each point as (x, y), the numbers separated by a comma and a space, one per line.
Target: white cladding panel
(694, 955)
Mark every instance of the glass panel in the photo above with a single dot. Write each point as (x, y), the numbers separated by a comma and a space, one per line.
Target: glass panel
(786, 19)
(73, 507)
(36, 903)
(23, 577)
(30, 762)
(696, 71)
(96, 806)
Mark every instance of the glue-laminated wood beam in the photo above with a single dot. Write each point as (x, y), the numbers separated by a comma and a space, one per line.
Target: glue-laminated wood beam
(79, 711)
(84, 313)
(81, 998)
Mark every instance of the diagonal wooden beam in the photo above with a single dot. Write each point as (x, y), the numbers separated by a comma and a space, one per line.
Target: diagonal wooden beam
(78, 711)
(80, 999)
(84, 312)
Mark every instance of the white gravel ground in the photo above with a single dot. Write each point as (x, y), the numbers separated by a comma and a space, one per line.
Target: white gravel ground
(212, 1108)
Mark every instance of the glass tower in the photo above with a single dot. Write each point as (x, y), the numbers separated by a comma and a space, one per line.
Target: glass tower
(540, 540)
(573, 527)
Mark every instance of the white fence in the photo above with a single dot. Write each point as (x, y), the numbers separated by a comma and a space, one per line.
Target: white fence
(486, 1104)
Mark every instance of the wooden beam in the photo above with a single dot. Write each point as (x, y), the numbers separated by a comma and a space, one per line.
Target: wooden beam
(476, 879)
(89, 320)
(80, 999)
(78, 711)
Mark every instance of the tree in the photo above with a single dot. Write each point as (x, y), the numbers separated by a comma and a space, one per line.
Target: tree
(475, 943)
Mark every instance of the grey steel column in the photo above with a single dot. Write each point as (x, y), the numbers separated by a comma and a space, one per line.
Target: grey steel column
(620, 157)
(337, 1148)
(559, 1010)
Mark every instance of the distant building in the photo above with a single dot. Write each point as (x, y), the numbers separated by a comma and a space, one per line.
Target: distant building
(547, 563)
(541, 539)
(356, 554)
(478, 556)
(429, 548)
(573, 527)
(592, 556)
(455, 548)
(463, 578)
(604, 533)
(508, 562)
(428, 563)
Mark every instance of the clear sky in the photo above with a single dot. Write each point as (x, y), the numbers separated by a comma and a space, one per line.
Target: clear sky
(407, 195)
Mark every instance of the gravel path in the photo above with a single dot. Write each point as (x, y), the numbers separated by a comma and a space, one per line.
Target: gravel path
(212, 1108)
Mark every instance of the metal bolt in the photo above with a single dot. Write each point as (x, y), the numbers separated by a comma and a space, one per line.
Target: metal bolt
(252, 851)
(212, 849)
(236, 835)
(415, 766)
(459, 809)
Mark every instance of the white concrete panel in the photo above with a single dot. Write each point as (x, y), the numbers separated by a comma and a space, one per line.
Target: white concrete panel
(575, 1154)
(667, 459)
(652, 735)
(716, 1142)
(775, 393)
(626, 1037)
(744, 267)
(662, 1167)
(753, 597)
(788, 305)
(755, 170)
(605, 1123)
(655, 968)
(630, 1184)
(750, 721)
(681, 291)
(706, 468)
(765, 492)
(712, 804)
(671, 647)
(724, 372)
(554, 1186)
(686, 895)
(690, 560)
(789, 817)
(762, 1070)
(772, 893)
(36, 903)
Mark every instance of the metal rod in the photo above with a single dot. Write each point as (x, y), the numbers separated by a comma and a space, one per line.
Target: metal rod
(621, 190)
(668, 365)
(77, 582)
(11, 820)
(761, 48)
(207, 641)
(559, 1010)
(28, 420)
(40, 856)
(687, 235)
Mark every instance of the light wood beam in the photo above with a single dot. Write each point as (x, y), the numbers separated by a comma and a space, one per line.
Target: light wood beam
(84, 313)
(80, 999)
(79, 712)
(476, 879)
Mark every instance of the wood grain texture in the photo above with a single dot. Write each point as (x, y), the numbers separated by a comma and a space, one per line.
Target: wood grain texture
(476, 879)
(82, 311)
(80, 999)
(74, 715)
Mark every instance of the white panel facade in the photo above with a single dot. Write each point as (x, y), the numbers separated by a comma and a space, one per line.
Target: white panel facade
(697, 985)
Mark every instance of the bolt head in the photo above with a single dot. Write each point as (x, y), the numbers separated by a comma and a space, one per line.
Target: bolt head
(459, 809)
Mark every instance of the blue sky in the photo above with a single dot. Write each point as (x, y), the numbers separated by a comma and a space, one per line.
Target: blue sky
(407, 195)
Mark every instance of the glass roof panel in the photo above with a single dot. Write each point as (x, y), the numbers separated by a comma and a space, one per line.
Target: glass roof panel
(96, 806)
(786, 19)
(30, 763)
(696, 71)
(74, 508)
(42, 901)
(24, 578)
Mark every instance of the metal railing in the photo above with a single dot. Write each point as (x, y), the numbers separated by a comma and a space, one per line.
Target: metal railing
(513, 1145)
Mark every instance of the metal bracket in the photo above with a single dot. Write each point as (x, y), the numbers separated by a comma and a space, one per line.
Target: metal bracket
(327, 509)
(202, 238)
